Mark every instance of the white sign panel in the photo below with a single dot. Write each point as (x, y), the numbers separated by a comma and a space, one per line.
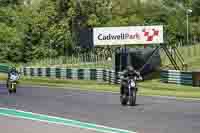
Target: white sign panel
(128, 35)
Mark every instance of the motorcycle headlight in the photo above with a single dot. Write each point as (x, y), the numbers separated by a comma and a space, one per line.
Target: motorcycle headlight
(133, 84)
(14, 77)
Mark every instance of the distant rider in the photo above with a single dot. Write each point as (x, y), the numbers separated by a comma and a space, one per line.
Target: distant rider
(12, 71)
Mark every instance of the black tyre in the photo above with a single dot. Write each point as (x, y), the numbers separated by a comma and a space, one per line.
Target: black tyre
(123, 100)
(14, 90)
(10, 91)
(132, 99)
(9, 88)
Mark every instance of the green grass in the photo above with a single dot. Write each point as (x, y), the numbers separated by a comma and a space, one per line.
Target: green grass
(104, 65)
(194, 63)
(101, 62)
(148, 88)
(80, 84)
(155, 87)
(74, 62)
(3, 76)
(190, 54)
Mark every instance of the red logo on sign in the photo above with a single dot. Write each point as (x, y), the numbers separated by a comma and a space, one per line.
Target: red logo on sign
(150, 34)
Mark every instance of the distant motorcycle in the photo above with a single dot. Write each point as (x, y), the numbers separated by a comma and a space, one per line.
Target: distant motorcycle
(12, 82)
(130, 92)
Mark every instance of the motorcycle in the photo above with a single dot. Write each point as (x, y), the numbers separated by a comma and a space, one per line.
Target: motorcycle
(12, 82)
(130, 92)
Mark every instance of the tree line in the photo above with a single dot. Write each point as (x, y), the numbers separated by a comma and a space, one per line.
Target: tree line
(36, 29)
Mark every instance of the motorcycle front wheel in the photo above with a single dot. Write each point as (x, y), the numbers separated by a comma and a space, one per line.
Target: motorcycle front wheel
(9, 87)
(123, 100)
(12, 88)
(132, 98)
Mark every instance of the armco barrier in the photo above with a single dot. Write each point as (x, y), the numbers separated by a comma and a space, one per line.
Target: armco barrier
(4, 68)
(100, 75)
(180, 77)
(109, 76)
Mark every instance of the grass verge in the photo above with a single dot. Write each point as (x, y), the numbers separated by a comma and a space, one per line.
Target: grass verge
(3, 76)
(147, 88)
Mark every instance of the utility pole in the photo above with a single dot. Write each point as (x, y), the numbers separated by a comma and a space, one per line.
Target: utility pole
(187, 15)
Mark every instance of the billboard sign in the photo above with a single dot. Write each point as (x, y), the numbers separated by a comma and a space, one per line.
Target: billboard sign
(127, 35)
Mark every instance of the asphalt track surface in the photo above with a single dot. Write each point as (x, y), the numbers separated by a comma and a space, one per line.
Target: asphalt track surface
(151, 115)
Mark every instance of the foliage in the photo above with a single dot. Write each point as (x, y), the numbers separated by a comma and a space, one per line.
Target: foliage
(51, 28)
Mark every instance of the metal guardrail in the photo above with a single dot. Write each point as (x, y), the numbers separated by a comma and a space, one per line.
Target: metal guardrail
(101, 75)
(180, 77)
(109, 76)
(4, 68)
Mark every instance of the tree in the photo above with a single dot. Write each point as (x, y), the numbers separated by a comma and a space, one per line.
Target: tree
(53, 27)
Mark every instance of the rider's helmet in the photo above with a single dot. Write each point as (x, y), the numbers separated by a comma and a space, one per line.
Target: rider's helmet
(13, 74)
(13, 70)
(130, 68)
(130, 71)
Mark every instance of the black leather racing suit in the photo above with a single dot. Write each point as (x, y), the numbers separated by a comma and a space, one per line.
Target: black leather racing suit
(125, 75)
(13, 70)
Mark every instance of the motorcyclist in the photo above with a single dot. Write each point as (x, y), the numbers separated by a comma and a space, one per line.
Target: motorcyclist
(127, 73)
(12, 71)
